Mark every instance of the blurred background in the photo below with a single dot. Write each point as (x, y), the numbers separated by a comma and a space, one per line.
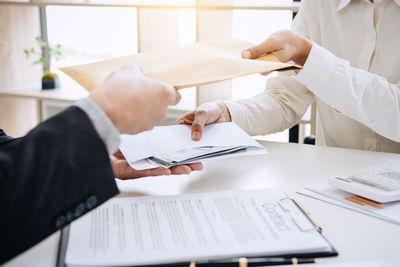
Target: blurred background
(93, 30)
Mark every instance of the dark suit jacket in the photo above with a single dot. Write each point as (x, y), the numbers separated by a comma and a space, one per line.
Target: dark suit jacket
(56, 173)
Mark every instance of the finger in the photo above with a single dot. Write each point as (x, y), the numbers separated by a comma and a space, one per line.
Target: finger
(178, 98)
(173, 97)
(118, 154)
(181, 169)
(198, 166)
(128, 173)
(156, 172)
(186, 118)
(200, 118)
(133, 67)
(266, 73)
(268, 46)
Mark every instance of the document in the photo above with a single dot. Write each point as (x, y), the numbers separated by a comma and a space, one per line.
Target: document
(171, 229)
(323, 191)
(183, 66)
(172, 145)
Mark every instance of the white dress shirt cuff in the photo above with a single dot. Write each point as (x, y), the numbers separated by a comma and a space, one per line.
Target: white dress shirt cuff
(103, 125)
(238, 114)
(317, 69)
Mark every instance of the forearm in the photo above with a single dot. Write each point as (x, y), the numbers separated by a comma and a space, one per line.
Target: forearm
(279, 107)
(358, 94)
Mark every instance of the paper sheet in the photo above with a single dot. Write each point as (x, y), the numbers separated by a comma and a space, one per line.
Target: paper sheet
(323, 191)
(182, 66)
(165, 139)
(169, 229)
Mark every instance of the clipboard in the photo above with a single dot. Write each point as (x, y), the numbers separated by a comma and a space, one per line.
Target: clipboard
(240, 261)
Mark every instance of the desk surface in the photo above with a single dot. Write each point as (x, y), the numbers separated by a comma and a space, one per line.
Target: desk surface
(356, 236)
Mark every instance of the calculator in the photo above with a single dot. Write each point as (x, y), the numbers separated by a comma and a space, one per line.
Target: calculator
(380, 183)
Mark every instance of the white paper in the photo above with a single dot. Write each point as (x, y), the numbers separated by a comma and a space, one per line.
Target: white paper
(169, 229)
(323, 191)
(165, 139)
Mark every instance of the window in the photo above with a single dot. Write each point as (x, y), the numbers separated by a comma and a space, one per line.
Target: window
(93, 32)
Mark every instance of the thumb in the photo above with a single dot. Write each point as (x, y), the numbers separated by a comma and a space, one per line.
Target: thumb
(268, 46)
(173, 97)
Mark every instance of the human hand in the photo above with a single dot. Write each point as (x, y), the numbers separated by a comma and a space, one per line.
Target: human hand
(123, 171)
(214, 112)
(285, 45)
(134, 102)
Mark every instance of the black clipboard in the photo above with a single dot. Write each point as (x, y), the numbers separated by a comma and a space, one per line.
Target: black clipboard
(63, 243)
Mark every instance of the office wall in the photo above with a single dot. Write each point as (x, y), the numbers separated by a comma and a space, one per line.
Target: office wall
(19, 25)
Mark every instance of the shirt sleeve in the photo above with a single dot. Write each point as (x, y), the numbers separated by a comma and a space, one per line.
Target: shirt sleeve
(279, 107)
(103, 125)
(363, 96)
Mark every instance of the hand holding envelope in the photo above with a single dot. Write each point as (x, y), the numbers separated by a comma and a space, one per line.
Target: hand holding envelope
(174, 146)
(183, 66)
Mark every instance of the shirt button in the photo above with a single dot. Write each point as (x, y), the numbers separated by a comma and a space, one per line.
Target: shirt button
(80, 208)
(60, 221)
(91, 202)
(372, 37)
(69, 216)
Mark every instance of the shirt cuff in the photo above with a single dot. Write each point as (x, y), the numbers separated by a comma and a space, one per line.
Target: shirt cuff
(317, 69)
(103, 125)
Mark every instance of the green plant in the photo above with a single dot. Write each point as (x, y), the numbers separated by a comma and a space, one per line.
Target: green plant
(55, 51)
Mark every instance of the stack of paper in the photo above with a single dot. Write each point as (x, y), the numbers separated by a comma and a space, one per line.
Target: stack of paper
(189, 155)
(323, 191)
(168, 146)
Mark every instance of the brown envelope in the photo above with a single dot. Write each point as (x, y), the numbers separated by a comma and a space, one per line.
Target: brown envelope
(183, 66)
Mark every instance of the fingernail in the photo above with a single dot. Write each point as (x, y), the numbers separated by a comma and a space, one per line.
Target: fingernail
(195, 135)
(246, 54)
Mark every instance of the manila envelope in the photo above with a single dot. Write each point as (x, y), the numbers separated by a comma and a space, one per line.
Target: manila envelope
(183, 66)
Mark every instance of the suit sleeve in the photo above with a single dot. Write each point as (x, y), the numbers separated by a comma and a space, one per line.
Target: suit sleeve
(48, 178)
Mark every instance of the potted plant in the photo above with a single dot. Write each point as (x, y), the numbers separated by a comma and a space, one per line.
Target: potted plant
(49, 80)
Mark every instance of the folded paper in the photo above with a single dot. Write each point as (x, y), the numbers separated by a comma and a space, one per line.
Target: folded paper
(183, 66)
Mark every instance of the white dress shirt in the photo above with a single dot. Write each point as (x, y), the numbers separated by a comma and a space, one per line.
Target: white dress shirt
(352, 72)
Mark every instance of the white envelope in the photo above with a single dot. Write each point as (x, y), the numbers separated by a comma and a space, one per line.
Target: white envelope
(137, 148)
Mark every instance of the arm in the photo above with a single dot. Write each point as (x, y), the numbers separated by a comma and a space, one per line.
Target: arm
(53, 175)
(279, 107)
(61, 169)
(363, 96)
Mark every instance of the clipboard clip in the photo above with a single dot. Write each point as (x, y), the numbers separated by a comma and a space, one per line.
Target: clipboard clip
(305, 213)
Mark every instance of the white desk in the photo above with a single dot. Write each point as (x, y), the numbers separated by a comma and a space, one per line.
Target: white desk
(356, 236)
